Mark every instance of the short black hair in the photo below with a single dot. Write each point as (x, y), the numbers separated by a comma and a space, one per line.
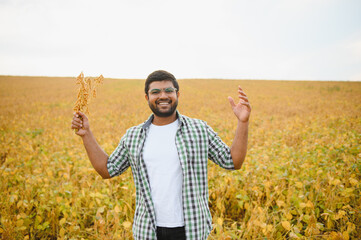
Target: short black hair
(160, 75)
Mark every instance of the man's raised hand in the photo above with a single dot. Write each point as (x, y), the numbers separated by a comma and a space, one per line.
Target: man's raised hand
(242, 109)
(80, 123)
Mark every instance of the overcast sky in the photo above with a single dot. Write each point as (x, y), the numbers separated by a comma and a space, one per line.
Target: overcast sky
(235, 39)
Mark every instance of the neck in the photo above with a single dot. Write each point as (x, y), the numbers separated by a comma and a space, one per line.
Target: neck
(164, 120)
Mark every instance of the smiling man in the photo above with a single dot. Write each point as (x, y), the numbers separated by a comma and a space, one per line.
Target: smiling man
(168, 155)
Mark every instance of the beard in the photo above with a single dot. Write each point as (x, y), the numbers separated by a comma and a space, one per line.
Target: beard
(159, 113)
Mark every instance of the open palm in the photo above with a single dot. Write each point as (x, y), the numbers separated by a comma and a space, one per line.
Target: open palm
(242, 109)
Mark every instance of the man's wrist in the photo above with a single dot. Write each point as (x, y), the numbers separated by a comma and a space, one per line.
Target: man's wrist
(243, 122)
(87, 134)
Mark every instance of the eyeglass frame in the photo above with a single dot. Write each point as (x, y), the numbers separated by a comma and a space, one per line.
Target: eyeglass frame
(174, 90)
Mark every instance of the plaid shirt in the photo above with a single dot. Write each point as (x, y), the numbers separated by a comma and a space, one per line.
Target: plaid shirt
(196, 142)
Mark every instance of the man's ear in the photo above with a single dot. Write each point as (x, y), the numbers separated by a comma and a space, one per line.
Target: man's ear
(178, 94)
(146, 97)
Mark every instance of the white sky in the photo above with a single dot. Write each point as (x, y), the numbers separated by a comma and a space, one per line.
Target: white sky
(280, 39)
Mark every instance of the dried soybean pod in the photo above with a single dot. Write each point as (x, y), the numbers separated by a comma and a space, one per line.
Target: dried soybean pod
(86, 89)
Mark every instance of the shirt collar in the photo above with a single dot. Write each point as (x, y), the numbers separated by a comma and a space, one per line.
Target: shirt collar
(147, 123)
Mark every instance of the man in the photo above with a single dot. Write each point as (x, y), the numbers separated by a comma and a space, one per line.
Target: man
(168, 156)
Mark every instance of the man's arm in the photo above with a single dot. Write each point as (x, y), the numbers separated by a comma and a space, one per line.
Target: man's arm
(239, 145)
(242, 110)
(96, 154)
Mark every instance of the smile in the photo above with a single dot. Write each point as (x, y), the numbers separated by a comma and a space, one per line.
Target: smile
(163, 103)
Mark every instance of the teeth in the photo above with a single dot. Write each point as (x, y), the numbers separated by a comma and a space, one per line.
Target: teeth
(163, 103)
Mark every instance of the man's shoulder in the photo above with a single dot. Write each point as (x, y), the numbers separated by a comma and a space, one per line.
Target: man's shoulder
(193, 122)
(136, 128)
(134, 131)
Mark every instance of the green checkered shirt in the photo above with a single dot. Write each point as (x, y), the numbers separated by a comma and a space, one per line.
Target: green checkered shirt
(196, 142)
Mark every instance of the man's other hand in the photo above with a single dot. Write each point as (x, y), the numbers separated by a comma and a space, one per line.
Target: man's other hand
(80, 123)
(242, 109)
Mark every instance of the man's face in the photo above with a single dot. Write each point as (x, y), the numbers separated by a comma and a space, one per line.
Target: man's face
(162, 104)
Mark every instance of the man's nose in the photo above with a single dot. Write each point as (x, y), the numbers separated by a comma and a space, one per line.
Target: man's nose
(163, 94)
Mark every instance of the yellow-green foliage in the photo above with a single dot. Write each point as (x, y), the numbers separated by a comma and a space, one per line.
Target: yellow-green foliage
(301, 177)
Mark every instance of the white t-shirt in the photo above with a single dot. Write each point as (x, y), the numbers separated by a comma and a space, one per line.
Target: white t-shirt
(165, 174)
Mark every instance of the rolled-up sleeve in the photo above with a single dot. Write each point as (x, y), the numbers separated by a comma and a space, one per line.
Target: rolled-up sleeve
(218, 151)
(118, 161)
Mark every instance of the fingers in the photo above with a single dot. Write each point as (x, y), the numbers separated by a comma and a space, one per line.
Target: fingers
(82, 115)
(231, 101)
(77, 122)
(240, 91)
(242, 95)
(76, 125)
(243, 98)
(248, 106)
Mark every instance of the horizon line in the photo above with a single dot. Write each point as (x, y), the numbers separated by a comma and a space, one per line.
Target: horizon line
(194, 78)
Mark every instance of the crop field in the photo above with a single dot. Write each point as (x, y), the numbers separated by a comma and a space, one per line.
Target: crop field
(300, 180)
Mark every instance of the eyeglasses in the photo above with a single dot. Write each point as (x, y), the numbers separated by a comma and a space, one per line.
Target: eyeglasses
(157, 91)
